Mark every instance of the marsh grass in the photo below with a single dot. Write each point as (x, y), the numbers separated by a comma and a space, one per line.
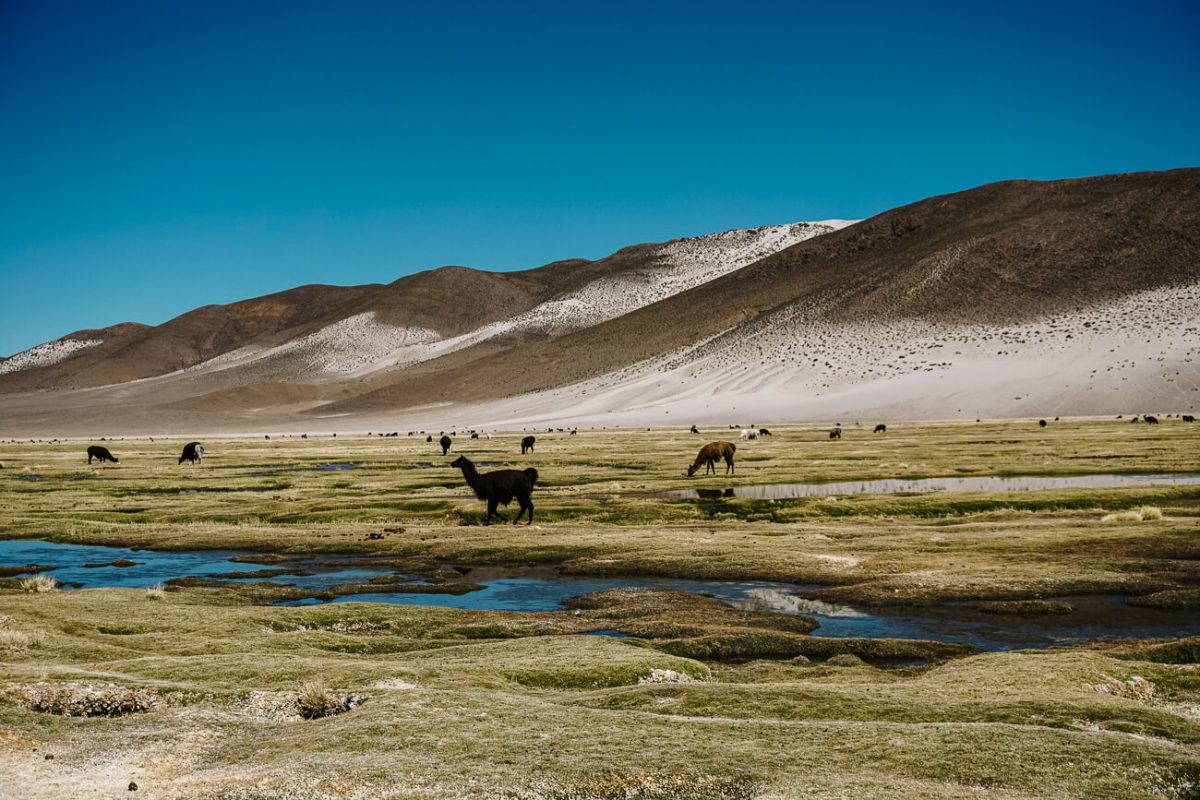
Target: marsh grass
(611, 785)
(488, 704)
(1140, 514)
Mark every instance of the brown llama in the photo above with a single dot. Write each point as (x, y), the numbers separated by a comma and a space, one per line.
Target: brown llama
(710, 454)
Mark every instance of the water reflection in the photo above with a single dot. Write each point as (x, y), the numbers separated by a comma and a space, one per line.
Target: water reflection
(980, 483)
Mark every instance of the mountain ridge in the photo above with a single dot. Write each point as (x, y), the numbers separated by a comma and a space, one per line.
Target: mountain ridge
(823, 312)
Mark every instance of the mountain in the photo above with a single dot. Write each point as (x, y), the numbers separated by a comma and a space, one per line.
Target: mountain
(1077, 296)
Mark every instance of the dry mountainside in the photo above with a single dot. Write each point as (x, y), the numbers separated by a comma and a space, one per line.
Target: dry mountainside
(1019, 298)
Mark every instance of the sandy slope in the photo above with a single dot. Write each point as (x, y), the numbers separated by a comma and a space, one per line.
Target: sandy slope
(1137, 355)
(1140, 354)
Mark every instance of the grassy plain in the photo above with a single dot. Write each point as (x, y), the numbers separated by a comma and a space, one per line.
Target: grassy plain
(450, 703)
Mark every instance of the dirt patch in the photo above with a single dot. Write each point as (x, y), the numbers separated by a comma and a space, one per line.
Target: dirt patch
(84, 699)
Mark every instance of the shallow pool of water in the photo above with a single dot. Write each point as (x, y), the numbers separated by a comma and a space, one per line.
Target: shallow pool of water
(979, 483)
(543, 589)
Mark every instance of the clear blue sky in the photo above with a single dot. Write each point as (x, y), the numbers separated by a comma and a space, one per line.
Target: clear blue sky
(158, 156)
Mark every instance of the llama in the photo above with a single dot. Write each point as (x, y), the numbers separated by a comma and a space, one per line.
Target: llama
(101, 453)
(1188, 418)
(764, 432)
(500, 487)
(836, 433)
(1042, 423)
(695, 429)
(445, 443)
(1150, 420)
(747, 434)
(527, 444)
(193, 452)
(881, 428)
(474, 435)
(710, 454)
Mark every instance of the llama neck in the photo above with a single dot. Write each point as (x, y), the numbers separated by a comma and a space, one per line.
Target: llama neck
(470, 474)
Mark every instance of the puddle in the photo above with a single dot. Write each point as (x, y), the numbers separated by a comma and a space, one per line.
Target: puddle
(543, 589)
(980, 483)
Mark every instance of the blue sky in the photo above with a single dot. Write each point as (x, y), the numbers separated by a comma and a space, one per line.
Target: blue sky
(155, 157)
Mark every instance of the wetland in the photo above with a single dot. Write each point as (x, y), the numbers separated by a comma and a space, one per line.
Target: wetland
(955, 600)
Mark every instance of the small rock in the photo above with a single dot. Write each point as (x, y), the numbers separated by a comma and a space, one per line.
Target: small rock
(132, 786)
(49, 756)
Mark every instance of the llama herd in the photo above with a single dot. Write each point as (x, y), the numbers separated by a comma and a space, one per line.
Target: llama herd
(501, 487)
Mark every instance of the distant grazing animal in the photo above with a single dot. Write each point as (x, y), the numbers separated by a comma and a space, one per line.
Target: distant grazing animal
(96, 451)
(1133, 418)
(710, 454)
(764, 432)
(1149, 419)
(747, 434)
(488, 436)
(474, 435)
(836, 433)
(527, 444)
(881, 428)
(574, 431)
(304, 436)
(429, 438)
(193, 452)
(445, 443)
(1188, 418)
(1042, 423)
(500, 487)
(695, 429)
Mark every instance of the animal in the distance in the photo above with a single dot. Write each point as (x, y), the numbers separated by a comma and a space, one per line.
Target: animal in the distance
(500, 487)
(1188, 418)
(96, 451)
(747, 434)
(1149, 419)
(764, 432)
(474, 435)
(429, 438)
(193, 452)
(710, 454)
(880, 428)
(836, 433)
(445, 443)
(695, 429)
(527, 444)
(1042, 423)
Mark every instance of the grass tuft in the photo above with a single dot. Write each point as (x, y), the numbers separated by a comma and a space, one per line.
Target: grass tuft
(315, 701)
(1141, 514)
(39, 584)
